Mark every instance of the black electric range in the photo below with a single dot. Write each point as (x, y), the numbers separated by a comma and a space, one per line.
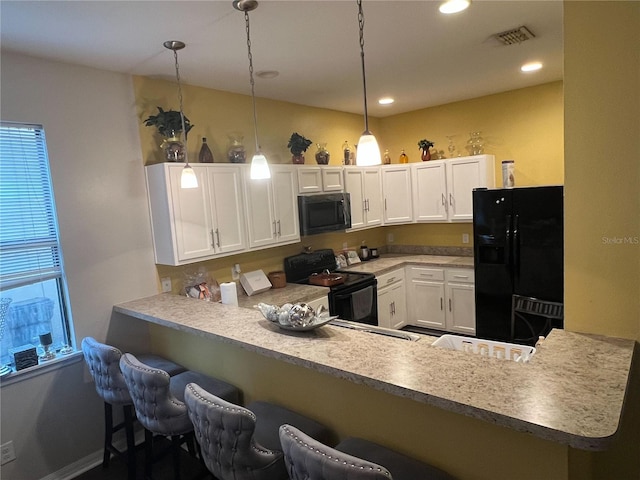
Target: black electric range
(355, 299)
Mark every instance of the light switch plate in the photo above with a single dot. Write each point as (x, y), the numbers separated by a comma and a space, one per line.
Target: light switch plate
(465, 238)
(166, 284)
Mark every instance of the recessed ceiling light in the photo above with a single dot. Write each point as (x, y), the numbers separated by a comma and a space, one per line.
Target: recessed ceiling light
(454, 6)
(386, 101)
(267, 74)
(531, 67)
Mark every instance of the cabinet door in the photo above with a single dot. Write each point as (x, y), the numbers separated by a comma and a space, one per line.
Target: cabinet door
(373, 196)
(461, 312)
(463, 175)
(354, 185)
(193, 226)
(427, 304)
(385, 307)
(332, 179)
(309, 179)
(430, 192)
(396, 188)
(261, 220)
(285, 199)
(399, 306)
(225, 185)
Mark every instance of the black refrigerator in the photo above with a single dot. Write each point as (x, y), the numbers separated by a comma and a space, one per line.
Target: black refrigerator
(518, 249)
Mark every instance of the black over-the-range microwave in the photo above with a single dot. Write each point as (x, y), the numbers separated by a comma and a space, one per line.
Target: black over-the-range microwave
(325, 212)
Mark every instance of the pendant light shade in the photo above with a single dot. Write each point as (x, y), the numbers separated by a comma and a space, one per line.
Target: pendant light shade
(188, 178)
(368, 152)
(259, 165)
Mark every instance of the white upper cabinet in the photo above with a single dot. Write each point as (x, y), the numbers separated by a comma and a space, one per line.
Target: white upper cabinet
(396, 188)
(195, 224)
(317, 179)
(364, 187)
(272, 207)
(442, 189)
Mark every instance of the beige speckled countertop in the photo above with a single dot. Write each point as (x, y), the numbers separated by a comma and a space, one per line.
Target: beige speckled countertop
(571, 392)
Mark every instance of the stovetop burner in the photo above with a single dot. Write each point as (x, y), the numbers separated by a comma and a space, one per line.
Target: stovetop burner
(298, 269)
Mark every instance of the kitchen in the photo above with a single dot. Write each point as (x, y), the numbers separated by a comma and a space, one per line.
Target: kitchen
(113, 185)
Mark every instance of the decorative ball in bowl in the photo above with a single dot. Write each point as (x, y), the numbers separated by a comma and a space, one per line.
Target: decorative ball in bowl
(298, 316)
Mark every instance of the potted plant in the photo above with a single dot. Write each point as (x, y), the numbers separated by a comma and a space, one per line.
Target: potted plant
(169, 125)
(424, 145)
(298, 145)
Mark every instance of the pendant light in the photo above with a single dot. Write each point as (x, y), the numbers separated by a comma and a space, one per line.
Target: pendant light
(259, 165)
(188, 178)
(368, 152)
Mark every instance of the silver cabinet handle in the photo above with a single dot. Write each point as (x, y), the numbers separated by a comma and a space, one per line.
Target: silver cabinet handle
(279, 231)
(450, 305)
(385, 204)
(213, 240)
(275, 232)
(218, 238)
(441, 304)
(444, 200)
(451, 200)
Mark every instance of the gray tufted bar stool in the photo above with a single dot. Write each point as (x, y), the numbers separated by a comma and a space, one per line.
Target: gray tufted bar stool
(104, 365)
(158, 400)
(240, 443)
(351, 459)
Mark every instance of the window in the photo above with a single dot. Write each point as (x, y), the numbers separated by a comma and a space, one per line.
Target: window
(33, 292)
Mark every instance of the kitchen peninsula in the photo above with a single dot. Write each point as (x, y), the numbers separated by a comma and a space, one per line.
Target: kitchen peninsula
(570, 396)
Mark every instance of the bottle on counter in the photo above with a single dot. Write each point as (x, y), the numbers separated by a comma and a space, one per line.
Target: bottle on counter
(403, 157)
(387, 157)
(205, 155)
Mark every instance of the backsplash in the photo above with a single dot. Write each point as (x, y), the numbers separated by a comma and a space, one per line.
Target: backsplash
(429, 250)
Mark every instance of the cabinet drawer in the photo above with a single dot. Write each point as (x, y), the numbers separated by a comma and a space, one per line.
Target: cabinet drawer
(390, 278)
(424, 273)
(460, 275)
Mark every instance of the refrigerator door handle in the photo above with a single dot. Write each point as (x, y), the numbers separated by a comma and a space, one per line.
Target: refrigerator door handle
(507, 243)
(516, 242)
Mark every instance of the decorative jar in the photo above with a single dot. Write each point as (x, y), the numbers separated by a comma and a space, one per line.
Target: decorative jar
(236, 152)
(322, 155)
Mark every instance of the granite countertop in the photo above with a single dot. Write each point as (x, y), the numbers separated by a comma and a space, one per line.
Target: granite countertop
(571, 392)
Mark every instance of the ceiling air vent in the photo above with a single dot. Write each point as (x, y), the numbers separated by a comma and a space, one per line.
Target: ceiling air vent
(515, 36)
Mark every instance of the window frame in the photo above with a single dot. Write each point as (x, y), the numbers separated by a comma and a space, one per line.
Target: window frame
(25, 245)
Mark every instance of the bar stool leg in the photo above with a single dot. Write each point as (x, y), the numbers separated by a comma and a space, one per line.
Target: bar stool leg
(148, 454)
(131, 442)
(108, 434)
(175, 450)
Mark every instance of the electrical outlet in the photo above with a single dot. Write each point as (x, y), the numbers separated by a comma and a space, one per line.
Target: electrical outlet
(7, 453)
(465, 238)
(235, 272)
(166, 284)
(390, 237)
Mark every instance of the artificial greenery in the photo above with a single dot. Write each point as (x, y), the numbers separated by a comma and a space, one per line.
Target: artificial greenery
(424, 144)
(298, 144)
(167, 122)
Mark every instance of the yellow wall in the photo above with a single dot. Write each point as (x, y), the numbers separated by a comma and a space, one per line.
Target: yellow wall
(602, 152)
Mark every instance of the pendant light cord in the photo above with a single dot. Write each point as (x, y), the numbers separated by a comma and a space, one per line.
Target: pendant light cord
(184, 130)
(251, 81)
(364, 77)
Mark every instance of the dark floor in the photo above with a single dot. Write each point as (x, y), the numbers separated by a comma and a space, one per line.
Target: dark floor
(191, 468)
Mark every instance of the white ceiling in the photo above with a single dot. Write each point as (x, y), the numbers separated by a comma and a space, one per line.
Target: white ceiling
(412, 52)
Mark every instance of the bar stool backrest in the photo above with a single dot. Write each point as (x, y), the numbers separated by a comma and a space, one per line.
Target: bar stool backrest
(157, 409)
(104, 365)
(307, 458)
(225, 434)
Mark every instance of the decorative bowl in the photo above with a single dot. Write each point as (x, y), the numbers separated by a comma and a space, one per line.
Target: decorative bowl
(299, 316)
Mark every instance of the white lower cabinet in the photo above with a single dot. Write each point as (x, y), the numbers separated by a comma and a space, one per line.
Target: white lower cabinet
(441, 298)
(392, 302)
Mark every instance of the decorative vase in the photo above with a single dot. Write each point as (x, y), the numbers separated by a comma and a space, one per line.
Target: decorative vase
(297, 158)
(236, 152)
(425, 155)
(322, 155)
(475, 144)
(173, 147)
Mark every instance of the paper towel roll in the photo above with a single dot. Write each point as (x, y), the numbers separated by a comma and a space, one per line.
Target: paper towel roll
(228, 293)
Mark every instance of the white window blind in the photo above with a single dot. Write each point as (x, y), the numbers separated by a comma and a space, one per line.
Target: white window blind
(29, 244)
